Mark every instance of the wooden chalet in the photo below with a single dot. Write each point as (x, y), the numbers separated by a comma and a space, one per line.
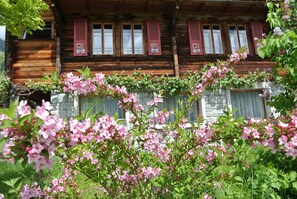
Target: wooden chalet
(120, 36)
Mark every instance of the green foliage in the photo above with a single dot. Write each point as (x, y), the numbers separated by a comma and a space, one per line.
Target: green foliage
(4, 90)
(165, 84)
(281, 47)
(22, 15)
(282, 102)
(1, 62)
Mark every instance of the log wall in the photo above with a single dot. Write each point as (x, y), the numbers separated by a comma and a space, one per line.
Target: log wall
(118, 63)
(33, 59)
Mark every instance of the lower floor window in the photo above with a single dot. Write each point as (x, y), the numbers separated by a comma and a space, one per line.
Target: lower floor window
(108, 105)
(171, 103)
(248, 104)
(105, 105)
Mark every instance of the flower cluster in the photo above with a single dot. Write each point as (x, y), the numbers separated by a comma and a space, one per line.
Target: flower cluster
(105, 128)
(142, 174)
(210, 77)
(161, 117)
(31, 192)
(235, 57)
(82, 86)
(278, 135)
(155, 143)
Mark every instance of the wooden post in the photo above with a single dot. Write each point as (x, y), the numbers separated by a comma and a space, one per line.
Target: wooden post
(173, 39)
(175, 56)
(58, 57)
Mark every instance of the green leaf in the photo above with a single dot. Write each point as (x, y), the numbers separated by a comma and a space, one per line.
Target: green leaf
(11, 182)
(276, 185)
(2, 143)
(294, 185)
(10, 112)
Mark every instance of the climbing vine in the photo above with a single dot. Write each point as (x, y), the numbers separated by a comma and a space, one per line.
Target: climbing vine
(164, 83)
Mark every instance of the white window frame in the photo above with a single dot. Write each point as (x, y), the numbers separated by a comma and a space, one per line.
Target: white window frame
(132, 38)
(103, 49)
(238, 37)
(212, 40)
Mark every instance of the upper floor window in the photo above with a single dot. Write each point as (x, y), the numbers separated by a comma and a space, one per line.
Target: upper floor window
(132, 39)
(212, 39)
(102, 39)
(238, 37)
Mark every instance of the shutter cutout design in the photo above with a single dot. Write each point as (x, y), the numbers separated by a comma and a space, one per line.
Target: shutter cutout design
(154, 40)
(195, 37)
(257, 32)
(80, 37)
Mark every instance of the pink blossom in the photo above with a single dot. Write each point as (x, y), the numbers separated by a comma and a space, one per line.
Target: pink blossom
(23, 109)
(150, 172)
(157, 99)
(36, 148)
(283, 140)
(282, 125)
(246, 133)
(128, 178)
(206, 196)
(270, 130)
(40, 162)
(210, 156)
(290, 149)
(270, 143)
(201, 167)
(161, 117)
(43, 111)
(191, 152)
(28, 192)
(1, 196)
(121, 90)
(99, 78)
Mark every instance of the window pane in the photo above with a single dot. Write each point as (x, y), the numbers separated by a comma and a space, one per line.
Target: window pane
(242, 37)
(105, 105)
(97, 40)
(144, 98)
(208, 46)
(248, 104)
(127, 39)
(217, 38)
(108, 39)
(138, 40)
(233, 38)
(170, 103)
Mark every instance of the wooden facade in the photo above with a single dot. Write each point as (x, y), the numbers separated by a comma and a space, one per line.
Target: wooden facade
(35, 57)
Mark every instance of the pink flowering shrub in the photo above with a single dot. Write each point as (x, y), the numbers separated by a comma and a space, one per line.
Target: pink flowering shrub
(150, 158)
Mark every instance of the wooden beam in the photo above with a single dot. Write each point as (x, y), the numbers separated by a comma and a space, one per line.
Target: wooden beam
(58, 57)
(201, 6)
(173, 38)
(225, 8)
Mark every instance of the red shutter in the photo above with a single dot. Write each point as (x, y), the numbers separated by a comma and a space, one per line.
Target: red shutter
(257, 32)
(154, 39)
(195, 37)
(80, 46)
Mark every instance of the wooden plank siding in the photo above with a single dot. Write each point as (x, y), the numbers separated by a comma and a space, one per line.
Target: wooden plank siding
(119, 63)
(33, 60)
(36, 58)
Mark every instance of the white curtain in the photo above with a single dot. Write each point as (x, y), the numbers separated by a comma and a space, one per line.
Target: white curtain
(171, 103)
(248, 104)
(105, 105)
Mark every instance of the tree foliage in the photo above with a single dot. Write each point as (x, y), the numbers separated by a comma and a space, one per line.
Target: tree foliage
(281, 47)
(20, 15)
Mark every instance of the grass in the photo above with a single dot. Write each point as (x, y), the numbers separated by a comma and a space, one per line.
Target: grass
(9, 171)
